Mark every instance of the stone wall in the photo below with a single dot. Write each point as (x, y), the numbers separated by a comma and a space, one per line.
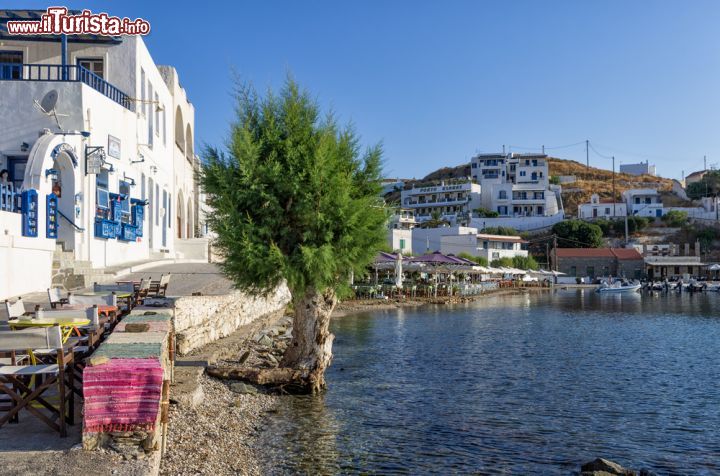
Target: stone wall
(200, 320)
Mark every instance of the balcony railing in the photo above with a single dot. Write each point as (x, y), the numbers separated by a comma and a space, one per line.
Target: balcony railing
(58, 72)
(9, 198)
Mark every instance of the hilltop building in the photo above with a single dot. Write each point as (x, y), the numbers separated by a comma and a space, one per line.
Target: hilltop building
(516, 185)
(99, 144)
(601, 208)
(451, 200)
(643, 168)
(644, 202)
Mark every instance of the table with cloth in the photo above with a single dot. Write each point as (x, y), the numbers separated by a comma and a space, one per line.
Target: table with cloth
(126, 383)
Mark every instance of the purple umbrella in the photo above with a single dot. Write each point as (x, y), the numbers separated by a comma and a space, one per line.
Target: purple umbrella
(436, 258)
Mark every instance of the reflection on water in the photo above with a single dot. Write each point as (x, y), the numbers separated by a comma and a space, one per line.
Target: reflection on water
(521, 385)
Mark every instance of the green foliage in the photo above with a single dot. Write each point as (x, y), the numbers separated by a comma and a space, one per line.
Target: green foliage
(500, 230)
(292, 197)
(578, 234)
(485, 213)
(605, 225)
(435, 221)
(675, 218)
(555, 180)
(708, 186)
(525, 262)
(706, 237)
(481, 260)
(502, 262)
(635, 225)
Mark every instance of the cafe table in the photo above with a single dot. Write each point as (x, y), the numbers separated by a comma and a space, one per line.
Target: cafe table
(67, 323)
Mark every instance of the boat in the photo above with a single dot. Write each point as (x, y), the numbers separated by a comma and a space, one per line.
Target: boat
(618, 286)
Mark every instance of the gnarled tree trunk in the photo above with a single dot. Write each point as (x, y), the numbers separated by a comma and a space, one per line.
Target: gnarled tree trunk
(302, 369)
(310, 349)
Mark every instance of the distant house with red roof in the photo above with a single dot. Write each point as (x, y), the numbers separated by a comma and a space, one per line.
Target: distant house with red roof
(599, 262)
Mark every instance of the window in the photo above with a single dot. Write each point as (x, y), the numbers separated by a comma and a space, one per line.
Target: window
(677, 269)
(156, 108)
(142, 90)
(103, 198)
(150, 117)
(591, 271)
(502, 195)
(573, 270)
(402, 244)
(474, 165)
(164, 126)
(94, 65)
(607, 210)
(11, 64)
(16, 169)
(495, 255)
(522, 173)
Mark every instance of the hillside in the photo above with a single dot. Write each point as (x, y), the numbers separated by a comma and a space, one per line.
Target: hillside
(593, 180)
(589, 180)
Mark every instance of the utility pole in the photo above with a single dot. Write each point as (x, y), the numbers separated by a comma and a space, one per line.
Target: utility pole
(613, 186)
(503, 149)
(627, 240)
(543, 150)
(587, 153)
(555, 264)
(704, 162)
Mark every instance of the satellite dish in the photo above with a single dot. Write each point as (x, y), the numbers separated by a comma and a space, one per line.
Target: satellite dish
(47, 106)
(49, 101)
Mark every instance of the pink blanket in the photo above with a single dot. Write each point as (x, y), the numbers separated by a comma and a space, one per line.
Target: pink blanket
(122, 395)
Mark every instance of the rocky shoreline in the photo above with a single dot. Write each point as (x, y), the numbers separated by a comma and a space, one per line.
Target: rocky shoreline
(217, 435)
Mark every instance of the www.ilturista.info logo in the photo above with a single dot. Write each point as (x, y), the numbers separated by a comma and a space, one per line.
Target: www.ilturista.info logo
(57, 21)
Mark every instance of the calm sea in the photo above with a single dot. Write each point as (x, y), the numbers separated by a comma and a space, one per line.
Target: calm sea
(534, 384)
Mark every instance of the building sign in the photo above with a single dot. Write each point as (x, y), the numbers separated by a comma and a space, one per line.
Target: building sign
(94, 159)
(113, 147)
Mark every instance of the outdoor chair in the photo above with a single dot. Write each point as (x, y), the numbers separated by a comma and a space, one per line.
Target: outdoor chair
(88, 301)
(26, 385)
(15, 309)
(55, 297)
(162, 285)
(142, 291)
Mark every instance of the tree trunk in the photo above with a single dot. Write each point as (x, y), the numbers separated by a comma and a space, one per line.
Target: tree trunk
(310, 350)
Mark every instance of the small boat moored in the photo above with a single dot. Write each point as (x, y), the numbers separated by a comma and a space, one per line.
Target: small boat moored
(618, 286)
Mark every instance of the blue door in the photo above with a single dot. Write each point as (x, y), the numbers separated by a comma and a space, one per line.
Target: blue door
(658, 213)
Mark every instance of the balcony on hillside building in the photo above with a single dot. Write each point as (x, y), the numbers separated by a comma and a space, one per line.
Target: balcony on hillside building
(64, 73)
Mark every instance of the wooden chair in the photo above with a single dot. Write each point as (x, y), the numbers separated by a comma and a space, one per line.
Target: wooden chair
(55, 297)
(163, 285)
(154, 286)
(142, 291)
(25, 385)
(15, 309)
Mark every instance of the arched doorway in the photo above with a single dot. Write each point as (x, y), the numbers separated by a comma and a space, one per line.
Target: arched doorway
(151, 213)
(179, 129)
(190, 231)
(63, 186)
(179, 210)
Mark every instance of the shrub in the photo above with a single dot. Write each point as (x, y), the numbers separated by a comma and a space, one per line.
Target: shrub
(675, 218)
(578, 234)
(525, 262)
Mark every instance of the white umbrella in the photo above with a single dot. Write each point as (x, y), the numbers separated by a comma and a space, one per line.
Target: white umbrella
(714, 267)
(398, 271)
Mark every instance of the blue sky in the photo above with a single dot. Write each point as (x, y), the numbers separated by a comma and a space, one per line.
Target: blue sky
(437, 82)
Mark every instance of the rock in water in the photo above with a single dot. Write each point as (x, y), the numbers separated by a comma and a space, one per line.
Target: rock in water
(239, 387)
(604, 467)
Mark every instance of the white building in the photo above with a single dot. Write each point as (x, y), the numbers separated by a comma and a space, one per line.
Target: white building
(451, 200)
(643, 168)
(490, 247)
(598, 208)
(516, 185)
(110, 180)
(643, 202)
(400, 239)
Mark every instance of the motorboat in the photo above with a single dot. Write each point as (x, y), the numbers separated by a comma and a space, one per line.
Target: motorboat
(618, 286)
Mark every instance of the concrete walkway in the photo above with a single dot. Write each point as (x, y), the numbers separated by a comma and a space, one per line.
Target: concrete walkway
(30, 447)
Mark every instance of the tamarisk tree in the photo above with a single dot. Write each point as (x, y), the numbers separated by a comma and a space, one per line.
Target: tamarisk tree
(293, 199)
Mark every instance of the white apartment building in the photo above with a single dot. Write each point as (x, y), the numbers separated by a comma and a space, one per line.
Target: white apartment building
(598, 208)
(99, 145)
(643, 202)
(642, 168)
(516, 185)
(490, 247)
(452, 200)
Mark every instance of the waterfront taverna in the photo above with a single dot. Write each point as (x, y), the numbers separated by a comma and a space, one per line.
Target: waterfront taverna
(98, 144)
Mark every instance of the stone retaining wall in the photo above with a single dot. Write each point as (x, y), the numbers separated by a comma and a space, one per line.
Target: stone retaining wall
(200, 320)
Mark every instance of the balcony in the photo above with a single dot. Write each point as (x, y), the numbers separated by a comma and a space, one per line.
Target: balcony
(58, 72)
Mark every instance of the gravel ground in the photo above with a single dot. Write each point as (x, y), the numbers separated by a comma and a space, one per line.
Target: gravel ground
(216, 437)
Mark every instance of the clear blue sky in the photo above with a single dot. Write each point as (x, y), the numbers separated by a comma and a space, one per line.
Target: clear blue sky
(438, 81)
